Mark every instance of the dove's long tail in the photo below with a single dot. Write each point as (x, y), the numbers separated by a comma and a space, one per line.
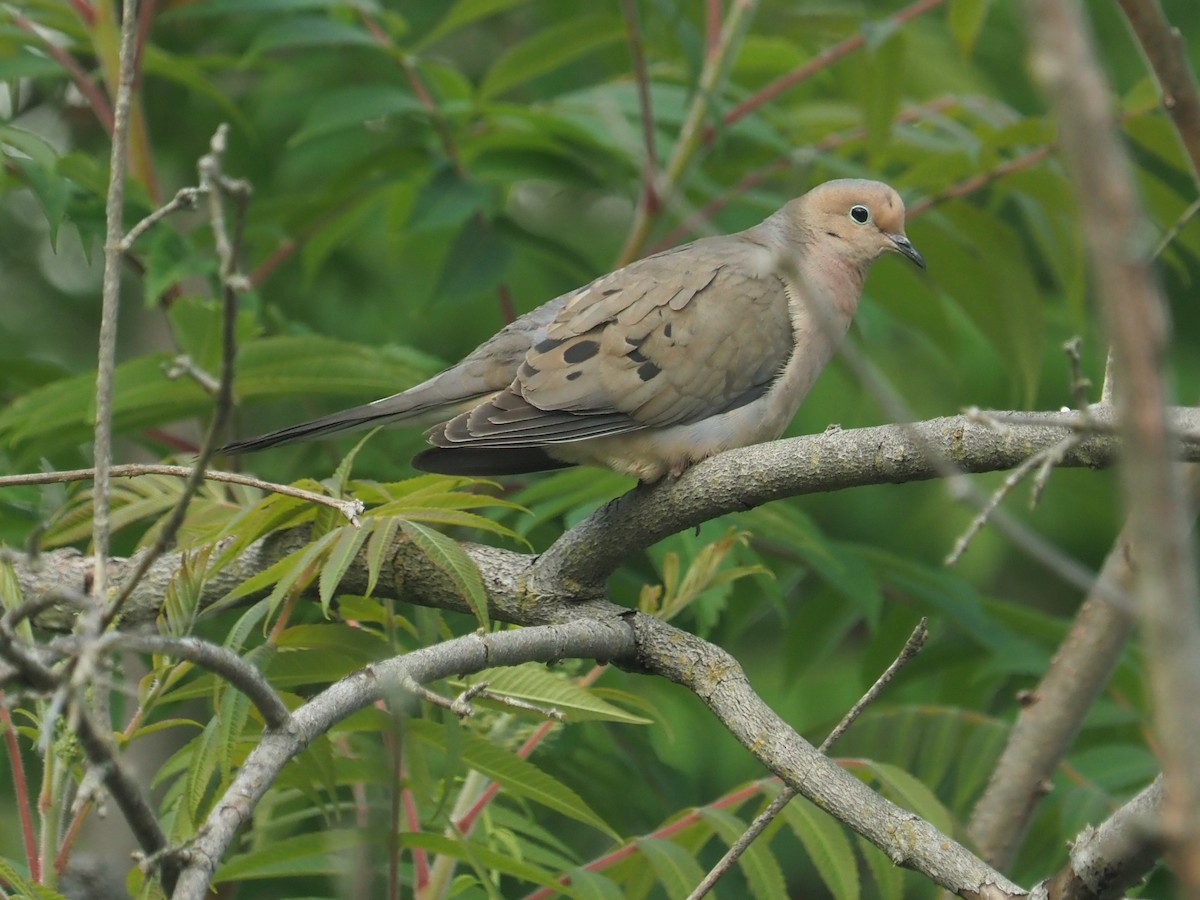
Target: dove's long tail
(427, 403)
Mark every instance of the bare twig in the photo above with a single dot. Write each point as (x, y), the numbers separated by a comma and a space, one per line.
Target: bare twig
(637, 54)
(216, 186)
(351, 509)
(1064, 61)
(124, 788)
(819, 63)
(185, 198)
(911, 648)
(1168, 57)
(692, 131)
(111, 297)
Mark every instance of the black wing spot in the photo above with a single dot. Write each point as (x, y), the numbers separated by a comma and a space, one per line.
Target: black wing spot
(573, 374)
(647, 370)
(528, 371)
(608, 292)
(636, 355)
(667, 328)
(581, 351)
(547, 345)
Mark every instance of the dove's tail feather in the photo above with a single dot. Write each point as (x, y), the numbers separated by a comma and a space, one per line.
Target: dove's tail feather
(433, 401)
(486, 461)
(346, 420)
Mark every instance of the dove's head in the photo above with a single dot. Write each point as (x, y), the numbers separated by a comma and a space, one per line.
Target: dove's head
(861, 220)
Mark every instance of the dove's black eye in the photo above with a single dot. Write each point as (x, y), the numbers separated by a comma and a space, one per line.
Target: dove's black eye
(860, 214)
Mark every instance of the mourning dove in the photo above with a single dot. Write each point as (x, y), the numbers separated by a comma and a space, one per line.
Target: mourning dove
(660, 364)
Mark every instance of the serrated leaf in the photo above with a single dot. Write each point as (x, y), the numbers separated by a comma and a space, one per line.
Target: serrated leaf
(341, 555)
(514, 774)
(550, 48)
(454, 561)
(18, 885)
(382, 535)
(677, 870)
(37, 160)
(827, 846)
(534, 683)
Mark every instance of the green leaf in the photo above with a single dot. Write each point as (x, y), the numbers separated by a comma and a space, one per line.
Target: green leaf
(304, 854)
(966, 22)
(210, 8)
(311, 365)
(353, 107)
(454, 561)
(16, 884)
(514, 774)
(677, 870)
(908, 791)
(550, 48)
(827, 846)
(448, 200)
(341, 555)
(301, 32)
(27, 64)
(593, 886)
(37, 160)
(888, 877)
(477, 262)
(534, 683)
(470, 851)
(759, 865)
(461, 14)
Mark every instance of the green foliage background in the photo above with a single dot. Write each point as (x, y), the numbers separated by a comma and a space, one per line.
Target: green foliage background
(386, 237)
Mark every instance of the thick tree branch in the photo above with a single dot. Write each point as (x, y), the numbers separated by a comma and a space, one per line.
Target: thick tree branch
(1107, 860)
(887, 454)
(584, 638)
(576, 565)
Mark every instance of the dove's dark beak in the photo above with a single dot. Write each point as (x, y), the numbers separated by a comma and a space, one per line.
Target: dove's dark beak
(905, 248)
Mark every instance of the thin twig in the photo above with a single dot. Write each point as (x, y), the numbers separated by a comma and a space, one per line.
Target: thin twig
(911, 648)
(692, 131)
(111, 298)
(1167, 54)
(819, 63)
(183, 365)
(216, 186)
(649, 198)
(185, 198)
(124, 788)
(351, 509)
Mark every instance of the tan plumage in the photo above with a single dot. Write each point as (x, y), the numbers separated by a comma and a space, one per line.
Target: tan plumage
(651, 368)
